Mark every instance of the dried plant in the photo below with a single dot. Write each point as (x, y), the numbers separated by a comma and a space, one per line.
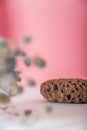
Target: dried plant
(8, 76)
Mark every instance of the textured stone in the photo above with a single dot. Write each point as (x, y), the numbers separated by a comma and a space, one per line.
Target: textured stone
(65, 90)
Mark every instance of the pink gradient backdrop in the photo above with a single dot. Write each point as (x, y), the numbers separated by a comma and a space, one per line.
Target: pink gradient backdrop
(58, 30)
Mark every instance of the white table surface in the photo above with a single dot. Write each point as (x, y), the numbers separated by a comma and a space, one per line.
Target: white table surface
(61, 117)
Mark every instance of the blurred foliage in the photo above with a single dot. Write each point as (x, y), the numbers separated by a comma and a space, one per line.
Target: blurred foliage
(39, 62)
(30, 82)
(4, 98)
(15, 90)
(25, 39)
(17, 52)
(27, 112)
(8, 76)
(45, 109)
(27, 61)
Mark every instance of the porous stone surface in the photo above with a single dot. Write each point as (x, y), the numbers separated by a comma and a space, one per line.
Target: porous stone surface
(65, 90)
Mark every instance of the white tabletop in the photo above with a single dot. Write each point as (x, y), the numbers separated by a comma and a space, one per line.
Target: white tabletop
(62, 116)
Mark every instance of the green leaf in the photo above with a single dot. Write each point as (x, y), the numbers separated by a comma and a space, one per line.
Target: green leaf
(25, 39)
(27, 112)
(10, 63)
(39, 62)
(27, 61)
(16, 75)
(4, 98)
(17, 72)
(21, 53)
(30, 82)
(16, 52)
(15, 90)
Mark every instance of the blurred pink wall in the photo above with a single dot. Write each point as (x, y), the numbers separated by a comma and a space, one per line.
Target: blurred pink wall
(4, 19)
(2, 22)
(58, 30)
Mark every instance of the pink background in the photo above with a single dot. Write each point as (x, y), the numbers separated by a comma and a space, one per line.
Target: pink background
(58, 31)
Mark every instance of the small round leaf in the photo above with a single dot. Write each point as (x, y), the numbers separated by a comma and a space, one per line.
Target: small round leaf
(4, 98)
(25, 39)
(27, 61)
(30, 82)
(15, 90)
(39, 62)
